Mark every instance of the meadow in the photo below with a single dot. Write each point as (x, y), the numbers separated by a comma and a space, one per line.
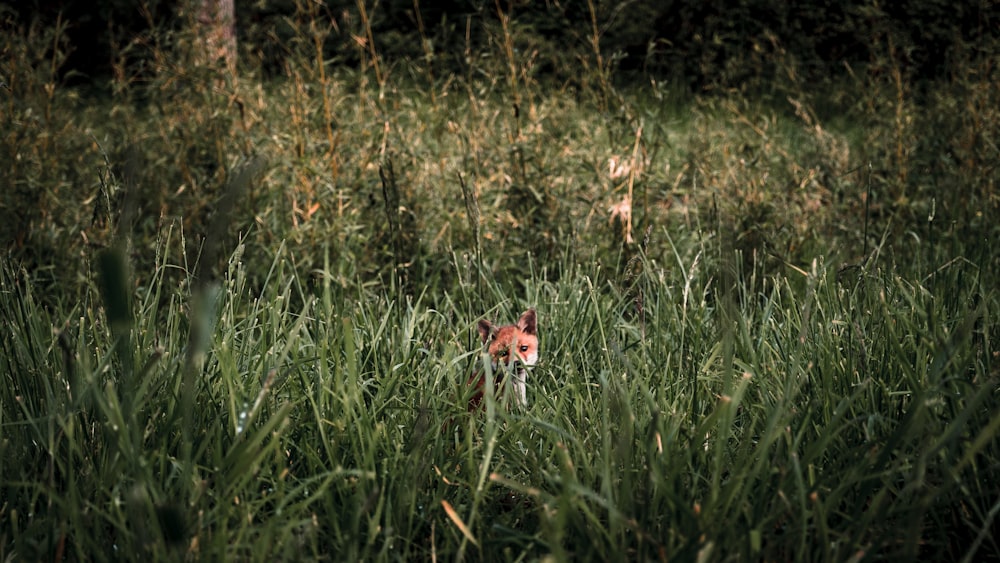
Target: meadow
(239, 309)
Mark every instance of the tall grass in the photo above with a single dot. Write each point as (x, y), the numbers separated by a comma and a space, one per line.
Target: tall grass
(823, 419)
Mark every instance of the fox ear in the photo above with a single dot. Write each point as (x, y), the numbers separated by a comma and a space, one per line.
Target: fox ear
(485, 330)
(527, 322)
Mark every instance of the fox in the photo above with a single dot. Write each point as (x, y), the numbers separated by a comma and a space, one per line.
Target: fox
(511, 348)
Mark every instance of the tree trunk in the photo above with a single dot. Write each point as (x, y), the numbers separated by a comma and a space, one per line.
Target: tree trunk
(216, 20)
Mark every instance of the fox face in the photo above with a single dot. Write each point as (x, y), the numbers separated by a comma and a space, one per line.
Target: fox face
(511, 348)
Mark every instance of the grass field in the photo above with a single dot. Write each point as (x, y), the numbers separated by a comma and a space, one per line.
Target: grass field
(768, 327)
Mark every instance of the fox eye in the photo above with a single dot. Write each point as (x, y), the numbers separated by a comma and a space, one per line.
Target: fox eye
(524, 348)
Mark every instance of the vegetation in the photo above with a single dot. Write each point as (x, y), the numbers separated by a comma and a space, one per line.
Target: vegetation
(238, 310)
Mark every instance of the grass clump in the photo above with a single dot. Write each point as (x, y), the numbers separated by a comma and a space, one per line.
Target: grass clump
(823, 419)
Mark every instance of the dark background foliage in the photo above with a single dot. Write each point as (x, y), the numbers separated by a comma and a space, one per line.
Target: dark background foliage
(906, 87)
(702, 44)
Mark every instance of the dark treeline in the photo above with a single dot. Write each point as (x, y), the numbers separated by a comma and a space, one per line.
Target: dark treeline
(704, 44)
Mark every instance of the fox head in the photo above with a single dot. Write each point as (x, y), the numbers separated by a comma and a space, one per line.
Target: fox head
(511, 347)
(512, 343)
